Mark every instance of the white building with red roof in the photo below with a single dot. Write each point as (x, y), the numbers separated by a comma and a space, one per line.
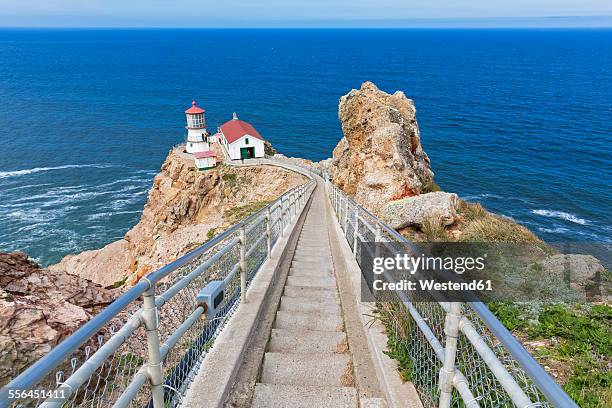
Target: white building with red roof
(197, 135)
(241, 140)
(205, 160)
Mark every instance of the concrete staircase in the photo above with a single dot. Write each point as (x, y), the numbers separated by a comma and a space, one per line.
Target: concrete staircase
(307, 363)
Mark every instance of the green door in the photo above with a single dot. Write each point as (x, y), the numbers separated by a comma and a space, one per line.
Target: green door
(247, 152)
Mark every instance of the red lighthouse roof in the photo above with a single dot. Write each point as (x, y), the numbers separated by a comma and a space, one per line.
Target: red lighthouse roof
(194, 109)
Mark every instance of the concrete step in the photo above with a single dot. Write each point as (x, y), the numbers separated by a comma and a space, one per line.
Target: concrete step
(321, 242)
(312, 256)
(306, 341)
(308, 321)
(310, 292)
(312, 249)
(317, 273)
(311, 281)
(303, 396)
(290, 304)
(304, 369)
(316, 264)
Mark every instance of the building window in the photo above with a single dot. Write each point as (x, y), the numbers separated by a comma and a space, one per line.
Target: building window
(246, 140)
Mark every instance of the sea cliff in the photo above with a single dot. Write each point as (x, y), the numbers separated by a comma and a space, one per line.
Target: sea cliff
(185, 208)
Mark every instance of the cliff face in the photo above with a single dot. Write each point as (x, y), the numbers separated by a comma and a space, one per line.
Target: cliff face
(380, 157)
(182, 207)
(39, 308)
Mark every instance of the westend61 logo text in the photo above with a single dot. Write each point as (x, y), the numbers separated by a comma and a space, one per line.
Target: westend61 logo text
(405, 262)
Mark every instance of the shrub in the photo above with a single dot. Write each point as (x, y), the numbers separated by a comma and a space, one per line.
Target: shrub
(472, 211)
(235, 214)
(433, 228)
(229, 177)
(431, 187)
(496, 229)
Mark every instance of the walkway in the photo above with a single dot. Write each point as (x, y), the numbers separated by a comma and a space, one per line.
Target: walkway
(307, 363)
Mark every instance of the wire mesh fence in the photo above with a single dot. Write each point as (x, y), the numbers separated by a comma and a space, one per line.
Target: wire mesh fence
(110, 360)
(491, 368)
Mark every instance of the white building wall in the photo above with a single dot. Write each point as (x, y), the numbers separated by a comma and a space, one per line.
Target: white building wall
(234, 148)
(196, 141)
(205, 162)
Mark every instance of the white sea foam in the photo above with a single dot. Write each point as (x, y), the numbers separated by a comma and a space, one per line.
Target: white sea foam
(5, 174)
(558, 230)
(100, 215)
(561, 215)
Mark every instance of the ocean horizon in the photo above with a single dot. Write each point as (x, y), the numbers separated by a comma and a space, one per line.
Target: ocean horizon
(517, 119)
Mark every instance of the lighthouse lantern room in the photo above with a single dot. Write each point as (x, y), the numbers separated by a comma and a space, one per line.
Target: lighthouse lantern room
(197, 136)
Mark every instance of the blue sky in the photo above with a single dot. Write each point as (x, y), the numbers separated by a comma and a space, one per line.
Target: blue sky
(304, 13)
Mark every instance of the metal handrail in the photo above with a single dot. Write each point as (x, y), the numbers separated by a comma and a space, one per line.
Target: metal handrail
(294, 199)
(551, 390)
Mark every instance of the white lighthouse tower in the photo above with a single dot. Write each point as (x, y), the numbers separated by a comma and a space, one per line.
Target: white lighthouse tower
(197, 136)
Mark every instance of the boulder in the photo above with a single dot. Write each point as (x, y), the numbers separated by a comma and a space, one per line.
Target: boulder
(584, 272)
(413, 211)
(39, 308)
(380, 157)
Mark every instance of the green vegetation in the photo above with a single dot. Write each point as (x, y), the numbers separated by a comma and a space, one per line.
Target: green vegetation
(573, 342)
(211, 234)
(577, 345)
(398, 325)
(119, 283)
(433, 228)
(229, 177)
(129, 362)
(432, 187)
(479, 225)
(233, 215)
(475, 224)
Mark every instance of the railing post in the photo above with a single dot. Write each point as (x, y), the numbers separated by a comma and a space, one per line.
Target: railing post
(447, 372)
(377, 240)
(155, 371)
(346, 211)
(268, 232)
(356, 232)
(243, 272)
(282, 217)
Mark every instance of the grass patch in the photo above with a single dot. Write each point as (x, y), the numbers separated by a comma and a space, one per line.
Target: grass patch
(479, 225)
(433, 228)
(235, 214)
(472, 211)
(229, 177)
(211, 234)
(432, 187)
(580, 342)
(398, 325)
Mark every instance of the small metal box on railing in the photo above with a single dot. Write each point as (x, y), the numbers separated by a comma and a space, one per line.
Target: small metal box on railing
(211, 297)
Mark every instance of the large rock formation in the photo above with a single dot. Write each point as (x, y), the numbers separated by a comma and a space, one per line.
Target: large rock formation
(413, 211)
(39, 308)
(183, 206)
(380, 157)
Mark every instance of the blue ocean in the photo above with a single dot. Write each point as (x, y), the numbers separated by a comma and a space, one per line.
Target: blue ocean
(520, 120)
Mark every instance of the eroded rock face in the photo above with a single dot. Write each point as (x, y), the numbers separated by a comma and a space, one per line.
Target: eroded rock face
(39, 308)
(183, 205)
(380, 157)
(413, 211)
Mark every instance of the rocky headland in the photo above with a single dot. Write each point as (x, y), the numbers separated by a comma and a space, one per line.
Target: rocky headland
(184, 209)
(380, 162)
